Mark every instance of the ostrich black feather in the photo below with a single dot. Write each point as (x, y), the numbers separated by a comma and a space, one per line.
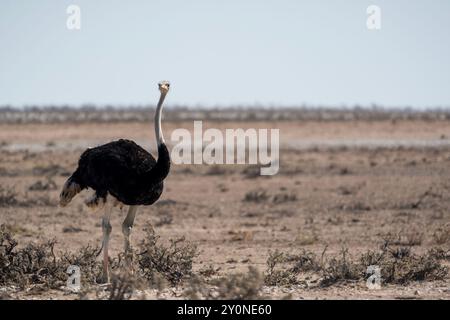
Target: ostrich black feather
(123, 169)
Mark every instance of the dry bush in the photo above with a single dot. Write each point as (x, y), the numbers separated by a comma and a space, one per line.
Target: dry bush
(275, 274)
(307, 237)
(341, 268)
(71, 229)
(42, 201)
(398, 265)
(439, 254)
(403, 238)
(8, 172)
(216, 171)
(8, 197)
(209, 271)
(37, 264)
(50, 170)
(306, 261)
(33, 264)
(354, 206)
(17, 229)
(241, 286)
(122, 286)
(86, 259)
(284, 197)
(173, 262)
(261, 195)
(442, 235)
(256, 196)
(43, 185)
(164, 220)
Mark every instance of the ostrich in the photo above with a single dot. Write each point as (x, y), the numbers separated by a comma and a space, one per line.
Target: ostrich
(121, 173)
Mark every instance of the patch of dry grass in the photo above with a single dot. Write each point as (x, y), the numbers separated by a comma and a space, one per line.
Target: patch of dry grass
(261, 195)
(257, 196)
(398, 265)
(240, 286)
(122, 286)
(411, 237)
(8, 197)
(441, 235)
(37, 264)
(40, 185)
(173, 262)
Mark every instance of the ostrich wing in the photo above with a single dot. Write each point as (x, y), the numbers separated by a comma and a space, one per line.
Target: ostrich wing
(118, 167)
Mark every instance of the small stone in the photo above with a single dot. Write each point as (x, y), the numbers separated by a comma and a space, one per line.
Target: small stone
(417, 293)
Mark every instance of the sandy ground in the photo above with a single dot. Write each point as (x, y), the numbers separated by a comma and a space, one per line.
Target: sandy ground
(353, 181)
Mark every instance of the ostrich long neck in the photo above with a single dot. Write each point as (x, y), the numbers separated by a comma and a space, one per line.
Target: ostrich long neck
(158, 131)
(161, 169)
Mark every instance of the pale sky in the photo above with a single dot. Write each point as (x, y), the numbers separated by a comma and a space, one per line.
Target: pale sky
(269, 52)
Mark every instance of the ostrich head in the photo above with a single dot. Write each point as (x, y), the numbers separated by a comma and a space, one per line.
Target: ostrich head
(164, 87)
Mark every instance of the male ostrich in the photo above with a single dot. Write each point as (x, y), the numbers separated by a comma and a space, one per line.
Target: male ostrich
(121, 172)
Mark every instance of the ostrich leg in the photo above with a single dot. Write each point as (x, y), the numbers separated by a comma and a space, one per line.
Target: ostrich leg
(127, 225)
(106, 228)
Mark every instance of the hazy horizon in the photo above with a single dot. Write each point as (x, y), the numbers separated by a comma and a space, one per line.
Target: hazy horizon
(253, 53)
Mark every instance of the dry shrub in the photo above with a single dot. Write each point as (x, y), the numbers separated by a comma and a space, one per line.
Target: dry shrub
(341, 268)
(17, 229)
(71, 229)
(398, 265)
(442, 235)
(258, 195)
(240, 286)
(122, 286)
(86, 259)
(50, 170)
(36, 264)
(283, 269)
(401, 266)
(306, 237)
(261, 195)
(355, 206)
(164, 220)
(284, 197)
(8, 172)
(208, 271)
(173, 262)
(43, 185)
(439, 253)
(306, 261)
(8, 197)
(403, 238)
(33, 264)
(43, 201)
